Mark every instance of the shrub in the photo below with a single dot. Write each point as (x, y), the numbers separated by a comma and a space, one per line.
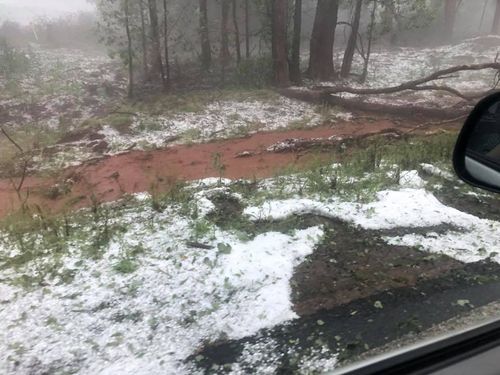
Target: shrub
(14, 62)
(254, 73)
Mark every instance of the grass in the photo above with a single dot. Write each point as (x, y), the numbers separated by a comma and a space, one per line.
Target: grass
(126, 266)
(38, 242)
(195, 101)
(41, 240)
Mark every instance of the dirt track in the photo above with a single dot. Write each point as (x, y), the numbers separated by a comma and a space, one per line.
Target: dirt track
(113, 176)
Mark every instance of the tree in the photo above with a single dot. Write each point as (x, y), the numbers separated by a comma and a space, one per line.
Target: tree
(247, 29)
(371, 28)
(322, 39)
(224, 48)
(206, 50)
(279, 42)
(165, 32)
(295, 74)
(126, 10)
(144, 43)
(496, 19)
(351, 44)
(236, 32)
(157, 64)
(450, 12)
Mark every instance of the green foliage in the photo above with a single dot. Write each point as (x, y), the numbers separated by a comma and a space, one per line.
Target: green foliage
(14, 62)
(254, 73)
(125, 266)
(402, 15)
(218, 165)
(201, 228)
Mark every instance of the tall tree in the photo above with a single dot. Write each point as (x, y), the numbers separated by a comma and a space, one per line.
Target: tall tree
(351, 44)
(206, 50)
(144, 43)
(322, 39)
(371, 27)
(224, 48)
(450, 12)
(247, 29)
(165, 34)
(130, 52)
(496, 19)
(237, 43)
(157, 64)
(295, 74)
(279, 42)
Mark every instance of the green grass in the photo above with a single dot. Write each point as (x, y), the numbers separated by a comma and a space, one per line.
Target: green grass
(195, 101)
(126, 266)
(42, 239)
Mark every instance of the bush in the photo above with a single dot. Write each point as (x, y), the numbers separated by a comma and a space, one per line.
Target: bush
(14, 62)
(254, 73)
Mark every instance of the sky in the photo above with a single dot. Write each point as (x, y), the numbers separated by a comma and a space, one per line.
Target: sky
(25, 11)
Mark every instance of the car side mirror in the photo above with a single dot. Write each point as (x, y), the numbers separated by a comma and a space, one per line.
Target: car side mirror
(476, 158)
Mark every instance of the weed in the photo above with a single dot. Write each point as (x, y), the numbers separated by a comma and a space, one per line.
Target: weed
(218, 165)
(191, 135)
(120, 122)
(126, 266)
(201, 228)
(168, 190)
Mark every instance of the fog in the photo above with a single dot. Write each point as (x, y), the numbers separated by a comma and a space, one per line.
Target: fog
(25, 11)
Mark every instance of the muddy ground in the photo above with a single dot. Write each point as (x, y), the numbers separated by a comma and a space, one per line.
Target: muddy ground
(110, 177)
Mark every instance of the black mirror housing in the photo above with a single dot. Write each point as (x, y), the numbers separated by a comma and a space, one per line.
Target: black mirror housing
(476, 157)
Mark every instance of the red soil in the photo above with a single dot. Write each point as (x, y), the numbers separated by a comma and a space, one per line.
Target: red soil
(110, 178)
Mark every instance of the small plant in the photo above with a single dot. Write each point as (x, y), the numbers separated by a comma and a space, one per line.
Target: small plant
(13, 62)
(201, 228)
(218, 165)
(126, 266)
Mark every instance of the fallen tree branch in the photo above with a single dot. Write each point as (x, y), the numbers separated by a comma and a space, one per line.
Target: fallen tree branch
(415, 84)
(409, 110)
(433, 123)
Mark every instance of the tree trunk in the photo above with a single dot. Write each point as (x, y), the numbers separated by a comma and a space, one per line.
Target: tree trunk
(206, 51)
(450, 11)
(295, 74)
(496, 19)
(351, 44)
(279, 42)
(143, 40)
(247, 29)
(224, 48)
(483, 13)
(129, 50)
(322, 39)
(371, 27)
(165, 32)
(157, 64)
(237, 43)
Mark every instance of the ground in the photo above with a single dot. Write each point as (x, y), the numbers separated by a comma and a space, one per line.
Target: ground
(233, 231)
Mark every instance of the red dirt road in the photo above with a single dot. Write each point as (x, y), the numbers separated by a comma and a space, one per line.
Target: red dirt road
(112, 177)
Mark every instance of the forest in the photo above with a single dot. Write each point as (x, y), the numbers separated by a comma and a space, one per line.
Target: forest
(239, 186)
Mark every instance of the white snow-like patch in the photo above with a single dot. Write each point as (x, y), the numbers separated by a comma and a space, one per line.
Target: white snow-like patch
(480, 242)
(438, 172)
(402, 208)
(219, 119)
(320, 361)
(473, 240)
(411, 179)
(150, 320)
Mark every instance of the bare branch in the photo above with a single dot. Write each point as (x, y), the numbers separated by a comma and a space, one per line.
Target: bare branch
(11, 140)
